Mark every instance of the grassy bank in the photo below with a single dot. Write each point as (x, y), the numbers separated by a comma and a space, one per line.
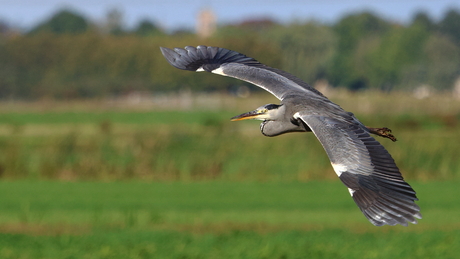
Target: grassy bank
(201, 144)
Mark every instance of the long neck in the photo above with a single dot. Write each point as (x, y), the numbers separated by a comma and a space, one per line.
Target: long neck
(275, 128)
(281, 124)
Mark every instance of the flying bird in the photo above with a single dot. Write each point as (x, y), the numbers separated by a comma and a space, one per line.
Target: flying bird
(361, 162)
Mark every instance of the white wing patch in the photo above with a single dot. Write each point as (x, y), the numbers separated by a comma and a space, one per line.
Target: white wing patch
(219, 71)
(338, 168)
(297, 116)
(351, 191)
(200, 69)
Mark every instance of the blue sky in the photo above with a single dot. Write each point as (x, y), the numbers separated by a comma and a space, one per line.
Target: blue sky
(174, 14)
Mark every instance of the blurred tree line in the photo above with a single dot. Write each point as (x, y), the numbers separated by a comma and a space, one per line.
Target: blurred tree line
(68, 56)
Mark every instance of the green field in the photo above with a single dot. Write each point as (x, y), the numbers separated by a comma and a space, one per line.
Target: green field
(92, 180)
(215, 220)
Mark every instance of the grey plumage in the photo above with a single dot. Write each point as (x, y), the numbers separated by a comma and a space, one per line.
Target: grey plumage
(360, 161)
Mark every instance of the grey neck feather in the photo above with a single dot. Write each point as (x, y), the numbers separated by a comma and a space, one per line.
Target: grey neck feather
(280, 123)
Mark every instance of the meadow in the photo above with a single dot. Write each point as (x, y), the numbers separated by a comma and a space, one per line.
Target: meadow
(215, 219)
(177, 179)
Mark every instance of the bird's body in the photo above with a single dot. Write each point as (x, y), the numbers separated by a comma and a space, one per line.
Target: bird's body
(361, 162)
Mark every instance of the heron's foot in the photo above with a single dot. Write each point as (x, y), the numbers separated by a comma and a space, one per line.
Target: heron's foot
(382, 132)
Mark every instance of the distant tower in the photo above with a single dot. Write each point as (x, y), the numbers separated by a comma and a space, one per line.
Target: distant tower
(456, 90)
(206, 23)
(114, 21)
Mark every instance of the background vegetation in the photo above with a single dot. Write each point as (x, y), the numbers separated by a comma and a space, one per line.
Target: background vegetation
(153, 143)
(69, 57)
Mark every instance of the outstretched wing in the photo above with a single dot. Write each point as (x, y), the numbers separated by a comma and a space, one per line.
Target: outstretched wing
(233, 64)
(367, 169)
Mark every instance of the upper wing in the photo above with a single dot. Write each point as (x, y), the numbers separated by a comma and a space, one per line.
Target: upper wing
(233, 64)
(367, 169)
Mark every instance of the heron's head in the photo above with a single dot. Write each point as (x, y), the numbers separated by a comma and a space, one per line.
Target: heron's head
(265, 112)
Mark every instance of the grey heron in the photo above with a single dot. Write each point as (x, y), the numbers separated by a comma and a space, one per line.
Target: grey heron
(361, 162)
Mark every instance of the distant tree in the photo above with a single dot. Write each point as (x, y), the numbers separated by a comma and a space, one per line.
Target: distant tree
(350, 31)
(442, 62)
(396, 51)
(422, 19)
(230, 30)
(147, 28)
(246, 28)
(184, 32)
(305, 49)
(63, 22)
(450, 25)
(354, 27)
(4, 28)
(257, 24)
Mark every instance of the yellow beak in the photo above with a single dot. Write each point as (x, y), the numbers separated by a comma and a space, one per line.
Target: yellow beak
(247, 116)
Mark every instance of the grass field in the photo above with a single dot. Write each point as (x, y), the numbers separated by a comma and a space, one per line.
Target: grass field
(179, 180)
(215, 220)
